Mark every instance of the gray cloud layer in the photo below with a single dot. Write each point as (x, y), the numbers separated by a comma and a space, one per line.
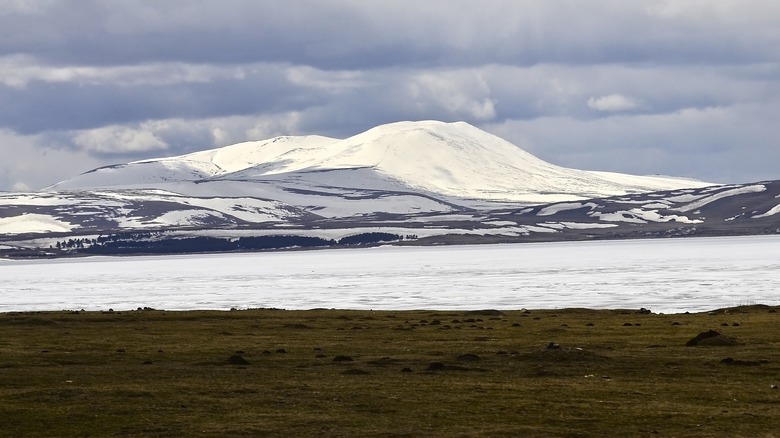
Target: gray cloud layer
(675, 87)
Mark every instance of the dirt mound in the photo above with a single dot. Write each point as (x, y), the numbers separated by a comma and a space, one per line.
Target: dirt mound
(438, 366)
(468, 358)
(355, 372)
(711, 338)
(744, 363)
(236, 359)
(553, 352)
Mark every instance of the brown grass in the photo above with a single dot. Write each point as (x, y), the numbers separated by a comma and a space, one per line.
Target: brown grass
(541, 373)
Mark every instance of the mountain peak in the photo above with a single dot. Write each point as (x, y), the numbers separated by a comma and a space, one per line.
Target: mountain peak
(435, 158)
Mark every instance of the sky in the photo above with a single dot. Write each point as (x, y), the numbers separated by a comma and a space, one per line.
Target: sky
(674, 87)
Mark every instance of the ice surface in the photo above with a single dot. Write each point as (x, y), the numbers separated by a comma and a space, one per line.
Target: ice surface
(664, 275)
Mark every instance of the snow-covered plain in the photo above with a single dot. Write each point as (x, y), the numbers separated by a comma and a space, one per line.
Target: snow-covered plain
(664, 275)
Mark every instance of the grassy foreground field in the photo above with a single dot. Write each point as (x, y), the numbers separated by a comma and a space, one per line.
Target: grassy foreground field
(363, 373)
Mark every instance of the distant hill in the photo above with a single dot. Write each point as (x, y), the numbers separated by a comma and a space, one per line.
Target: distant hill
(422, 182)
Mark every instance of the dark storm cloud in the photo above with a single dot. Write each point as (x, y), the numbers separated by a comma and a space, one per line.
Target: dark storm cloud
(42, 106)
(663, 86)
(359, 34)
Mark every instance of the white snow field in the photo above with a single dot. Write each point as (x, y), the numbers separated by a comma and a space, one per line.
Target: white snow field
(664, 275)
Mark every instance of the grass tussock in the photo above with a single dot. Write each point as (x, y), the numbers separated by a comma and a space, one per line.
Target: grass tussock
(569, 372)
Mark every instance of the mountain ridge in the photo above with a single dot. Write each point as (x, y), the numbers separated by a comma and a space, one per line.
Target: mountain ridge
(445, 159)
(407, 183)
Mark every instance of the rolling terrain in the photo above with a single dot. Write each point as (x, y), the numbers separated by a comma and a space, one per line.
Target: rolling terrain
(408, 182)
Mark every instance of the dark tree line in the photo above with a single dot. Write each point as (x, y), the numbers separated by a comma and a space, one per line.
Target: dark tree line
(369, 238)
(143, 243)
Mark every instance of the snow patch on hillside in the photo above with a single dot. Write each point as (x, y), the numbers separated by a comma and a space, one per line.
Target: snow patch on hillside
(772, 211)
(639, 216)
(557, 208)
(755, 188)
(33, 223)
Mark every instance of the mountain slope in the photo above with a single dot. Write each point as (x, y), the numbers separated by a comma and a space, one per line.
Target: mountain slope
(130, 221)
(410, 182)
(449, 160)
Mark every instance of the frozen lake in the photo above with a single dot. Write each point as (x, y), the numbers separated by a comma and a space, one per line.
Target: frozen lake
(664, 275)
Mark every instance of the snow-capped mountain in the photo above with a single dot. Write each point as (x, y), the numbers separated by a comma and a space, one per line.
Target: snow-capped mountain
(416, 182)
(448, 160)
